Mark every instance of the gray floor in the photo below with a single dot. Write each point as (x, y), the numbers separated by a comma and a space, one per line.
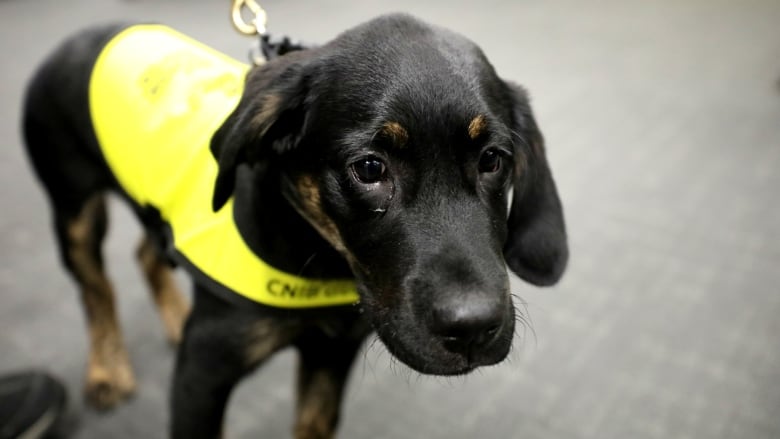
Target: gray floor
(663, 125)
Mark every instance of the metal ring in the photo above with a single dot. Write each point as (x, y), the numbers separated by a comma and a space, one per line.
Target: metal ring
(257, 25)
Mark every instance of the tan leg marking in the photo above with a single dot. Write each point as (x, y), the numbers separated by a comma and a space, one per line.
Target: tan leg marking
(172, 306)
(318, 406)
(264, 338)
(109, 374)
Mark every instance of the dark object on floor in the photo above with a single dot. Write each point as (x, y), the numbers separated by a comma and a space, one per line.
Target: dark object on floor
(31, 404)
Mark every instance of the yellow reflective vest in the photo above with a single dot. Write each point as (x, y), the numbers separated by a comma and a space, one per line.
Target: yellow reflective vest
(156, 97)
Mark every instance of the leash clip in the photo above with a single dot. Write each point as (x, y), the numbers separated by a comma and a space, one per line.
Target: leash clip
(255, 26)
(264, 48)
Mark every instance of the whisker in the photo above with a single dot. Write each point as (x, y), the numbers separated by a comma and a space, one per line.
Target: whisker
(306, 264)
(523, 316)
(520, 137)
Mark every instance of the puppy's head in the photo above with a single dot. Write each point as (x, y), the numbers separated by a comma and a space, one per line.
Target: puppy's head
(400, 144)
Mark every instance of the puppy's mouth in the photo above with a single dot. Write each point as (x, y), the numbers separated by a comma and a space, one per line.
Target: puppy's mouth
(411, 341)
(433, 358)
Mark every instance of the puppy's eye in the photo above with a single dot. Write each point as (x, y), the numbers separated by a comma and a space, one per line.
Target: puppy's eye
(369, 170)
(490, 161)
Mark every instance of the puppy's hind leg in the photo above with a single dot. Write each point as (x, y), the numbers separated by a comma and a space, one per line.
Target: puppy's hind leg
(170, 302)
(109, 374)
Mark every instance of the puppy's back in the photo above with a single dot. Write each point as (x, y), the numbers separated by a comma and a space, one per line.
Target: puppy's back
(56, 122)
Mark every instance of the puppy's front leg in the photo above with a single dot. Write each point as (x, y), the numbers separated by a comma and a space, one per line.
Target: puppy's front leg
(221, 344)
(322, 374)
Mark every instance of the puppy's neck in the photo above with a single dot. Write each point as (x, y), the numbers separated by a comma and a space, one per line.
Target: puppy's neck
(276, 232)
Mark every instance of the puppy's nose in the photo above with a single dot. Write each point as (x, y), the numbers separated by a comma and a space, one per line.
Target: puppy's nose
(468, 325)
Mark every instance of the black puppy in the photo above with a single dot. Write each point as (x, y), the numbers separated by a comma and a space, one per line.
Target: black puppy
(376, 167)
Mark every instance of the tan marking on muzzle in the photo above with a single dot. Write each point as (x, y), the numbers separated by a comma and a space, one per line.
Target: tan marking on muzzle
(396, 133)
(311, 209)
(477, 127)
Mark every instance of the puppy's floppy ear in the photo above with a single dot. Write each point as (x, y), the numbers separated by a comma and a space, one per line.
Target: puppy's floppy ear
(536, 248)
(268, 120)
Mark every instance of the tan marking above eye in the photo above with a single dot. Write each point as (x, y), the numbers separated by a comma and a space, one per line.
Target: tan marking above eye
(396, 133)
(477, 127)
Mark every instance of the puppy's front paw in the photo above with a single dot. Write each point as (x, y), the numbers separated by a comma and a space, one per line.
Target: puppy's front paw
(106, 387)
